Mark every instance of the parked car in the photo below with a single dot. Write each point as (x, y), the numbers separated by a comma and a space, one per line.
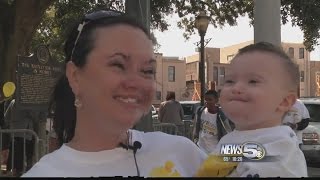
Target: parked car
(310, 135)
(189, 109)
(154, 114)
(154, 110)
(155, 118)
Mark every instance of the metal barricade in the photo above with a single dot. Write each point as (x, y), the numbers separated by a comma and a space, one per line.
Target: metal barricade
(11, 134)
(188, 128)
(185, 130)
(168, 128)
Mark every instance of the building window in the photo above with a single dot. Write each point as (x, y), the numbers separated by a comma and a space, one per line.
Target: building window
(221, 75)
(158, 95)
(301, 76)
(230, 57)
(222, 71)
(215, 74)
(301, 53)
(291, 52)
(171, 74)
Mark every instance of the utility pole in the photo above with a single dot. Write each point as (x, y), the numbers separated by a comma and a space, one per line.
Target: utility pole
(139, 9)
(267, 25)
(201, 23)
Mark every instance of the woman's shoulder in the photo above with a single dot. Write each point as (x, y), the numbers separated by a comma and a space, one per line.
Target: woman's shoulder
(43, 168)
(160, 135)
(179, 146)
(163, 139)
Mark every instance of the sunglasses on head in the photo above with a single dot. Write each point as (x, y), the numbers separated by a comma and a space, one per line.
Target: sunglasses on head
(92, 17)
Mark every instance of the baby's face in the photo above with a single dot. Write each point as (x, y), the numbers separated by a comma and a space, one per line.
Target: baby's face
(255, 91)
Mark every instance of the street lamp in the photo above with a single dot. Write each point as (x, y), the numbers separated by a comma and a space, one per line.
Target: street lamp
(201, 23)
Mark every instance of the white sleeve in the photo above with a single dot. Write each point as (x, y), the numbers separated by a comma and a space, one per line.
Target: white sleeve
(302, 109)
(289, 162)
(305, 113)
(194, 156)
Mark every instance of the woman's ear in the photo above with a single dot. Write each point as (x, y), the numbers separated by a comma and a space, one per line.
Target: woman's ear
(287, 102)
(72, 76)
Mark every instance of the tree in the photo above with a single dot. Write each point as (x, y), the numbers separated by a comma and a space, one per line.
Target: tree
(20, 20)
(59, 19)
(302, 13)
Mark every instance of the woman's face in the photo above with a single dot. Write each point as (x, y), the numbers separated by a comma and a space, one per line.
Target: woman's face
(117, 85)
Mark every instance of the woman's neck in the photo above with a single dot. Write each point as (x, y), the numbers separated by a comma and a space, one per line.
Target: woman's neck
(90, 137)
(95, 133)
(82, 142)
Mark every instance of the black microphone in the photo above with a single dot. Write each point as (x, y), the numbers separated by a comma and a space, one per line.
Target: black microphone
(136, 145)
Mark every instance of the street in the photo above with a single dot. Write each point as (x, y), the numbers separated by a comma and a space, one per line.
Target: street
(313, 172)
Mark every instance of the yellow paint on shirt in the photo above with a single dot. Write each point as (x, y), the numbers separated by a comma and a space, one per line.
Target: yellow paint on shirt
(165, 171)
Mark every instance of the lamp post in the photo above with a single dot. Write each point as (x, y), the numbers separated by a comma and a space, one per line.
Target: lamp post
(201, 23)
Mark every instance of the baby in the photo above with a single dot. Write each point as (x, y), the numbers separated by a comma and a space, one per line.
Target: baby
(260, 87)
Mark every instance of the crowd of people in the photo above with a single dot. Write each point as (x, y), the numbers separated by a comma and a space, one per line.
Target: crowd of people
(101, 106)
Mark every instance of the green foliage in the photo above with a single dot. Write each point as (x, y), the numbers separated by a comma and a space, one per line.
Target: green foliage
(302, 13)
(306, 15)
(220, 12)
(57, 20)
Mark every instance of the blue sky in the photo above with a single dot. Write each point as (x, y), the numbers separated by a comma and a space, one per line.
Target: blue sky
(174, 44)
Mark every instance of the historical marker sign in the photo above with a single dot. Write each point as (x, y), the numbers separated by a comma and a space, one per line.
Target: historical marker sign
(36, 77)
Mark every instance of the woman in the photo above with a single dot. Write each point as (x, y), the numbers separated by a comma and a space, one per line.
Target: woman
(109, 84)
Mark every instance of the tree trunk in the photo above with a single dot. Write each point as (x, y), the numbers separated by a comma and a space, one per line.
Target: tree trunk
(18, 22)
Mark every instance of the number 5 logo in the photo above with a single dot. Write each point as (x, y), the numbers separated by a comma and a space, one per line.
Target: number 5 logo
(253, 150)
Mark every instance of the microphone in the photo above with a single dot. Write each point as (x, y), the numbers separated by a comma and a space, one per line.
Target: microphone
(136, 145)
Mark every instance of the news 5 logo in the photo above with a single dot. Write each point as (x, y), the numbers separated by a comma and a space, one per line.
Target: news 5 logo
(250, 150)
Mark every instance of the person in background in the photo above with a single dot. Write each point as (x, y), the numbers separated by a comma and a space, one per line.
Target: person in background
(145, 123)
(259, 89)
(210, 124)
(171, 111)
(297, 118)
(108, 85)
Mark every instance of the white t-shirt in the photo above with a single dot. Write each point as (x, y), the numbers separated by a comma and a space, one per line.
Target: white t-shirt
(280, 142)
(208, 135)
(160, 155)
(297, 112)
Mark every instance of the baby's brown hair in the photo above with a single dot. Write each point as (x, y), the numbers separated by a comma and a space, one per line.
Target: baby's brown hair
(290, 66)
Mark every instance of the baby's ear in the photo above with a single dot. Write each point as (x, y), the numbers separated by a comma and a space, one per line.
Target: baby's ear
(287, 102)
